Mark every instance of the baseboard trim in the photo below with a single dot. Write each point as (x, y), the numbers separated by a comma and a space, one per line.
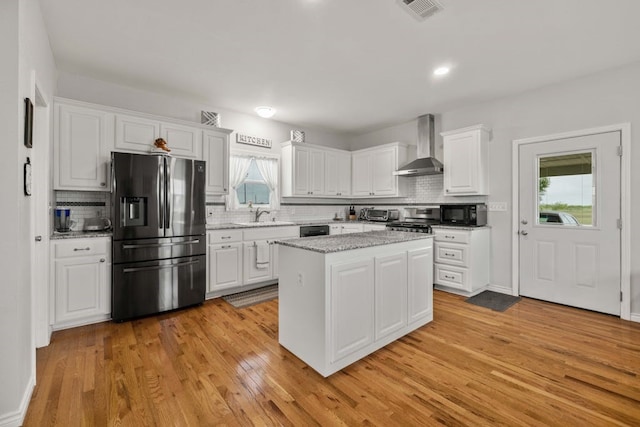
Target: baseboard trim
(635, 317)
(501, 289)
(15, 419)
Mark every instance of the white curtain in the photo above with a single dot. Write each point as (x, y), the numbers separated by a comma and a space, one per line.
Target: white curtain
(269, 170)
(238, 168)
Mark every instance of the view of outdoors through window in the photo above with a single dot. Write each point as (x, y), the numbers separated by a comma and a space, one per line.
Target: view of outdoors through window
(253, 189)
(566, 189)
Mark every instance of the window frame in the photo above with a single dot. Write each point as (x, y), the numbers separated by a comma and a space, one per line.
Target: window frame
(256, 155)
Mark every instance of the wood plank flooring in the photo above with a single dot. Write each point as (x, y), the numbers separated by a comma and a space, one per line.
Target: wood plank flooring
(535, 364)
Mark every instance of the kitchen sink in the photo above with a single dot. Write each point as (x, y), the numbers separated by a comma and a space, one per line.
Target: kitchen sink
(264, 224)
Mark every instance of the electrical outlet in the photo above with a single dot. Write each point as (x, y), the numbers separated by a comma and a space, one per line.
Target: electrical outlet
(497, 206)
(209, 211)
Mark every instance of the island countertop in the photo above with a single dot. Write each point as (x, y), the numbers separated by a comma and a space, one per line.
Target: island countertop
(347, 242)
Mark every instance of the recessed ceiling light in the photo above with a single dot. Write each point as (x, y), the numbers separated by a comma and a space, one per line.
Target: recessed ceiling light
(441, 71)
(265, 111)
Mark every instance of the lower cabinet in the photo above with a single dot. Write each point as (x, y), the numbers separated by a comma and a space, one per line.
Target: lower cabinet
(336, 308)
(81, 271)
(233, 265)
(462, 260)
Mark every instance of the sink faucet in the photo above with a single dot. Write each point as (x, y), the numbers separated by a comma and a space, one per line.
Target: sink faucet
(258, 213)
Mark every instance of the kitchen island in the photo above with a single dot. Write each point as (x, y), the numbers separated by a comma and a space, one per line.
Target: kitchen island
(342, 297)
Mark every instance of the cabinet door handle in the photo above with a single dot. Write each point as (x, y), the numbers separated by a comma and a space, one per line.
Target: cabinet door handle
(81, 249)
(449, 277)
(447, 190)
(225, 237)
(102, 260)
(448, 254)
(103, 184)
(449, 237)
(226, 246)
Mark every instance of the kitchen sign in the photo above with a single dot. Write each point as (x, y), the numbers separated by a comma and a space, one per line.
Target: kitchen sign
(253, 140)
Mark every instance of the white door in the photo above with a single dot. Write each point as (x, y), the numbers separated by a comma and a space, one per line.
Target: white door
(562, 182)
(225, 266)
(41, 220)
(383, 164)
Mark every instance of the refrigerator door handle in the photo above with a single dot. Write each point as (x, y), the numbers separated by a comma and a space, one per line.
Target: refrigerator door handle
(161, 195)
(169, 193)
(158, 245)
(158, 267)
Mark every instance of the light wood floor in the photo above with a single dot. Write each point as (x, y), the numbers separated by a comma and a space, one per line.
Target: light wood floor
(535, 364)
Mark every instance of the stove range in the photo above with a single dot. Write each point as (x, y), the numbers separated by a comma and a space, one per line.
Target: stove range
(410, 226)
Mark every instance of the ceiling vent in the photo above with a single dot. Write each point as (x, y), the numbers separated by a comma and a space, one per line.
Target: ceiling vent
(421, 9)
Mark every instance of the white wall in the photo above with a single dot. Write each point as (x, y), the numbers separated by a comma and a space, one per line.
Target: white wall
(602, 99)
(100, 92)
(24, 47)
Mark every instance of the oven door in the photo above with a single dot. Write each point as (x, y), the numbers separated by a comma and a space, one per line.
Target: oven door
(150, 287)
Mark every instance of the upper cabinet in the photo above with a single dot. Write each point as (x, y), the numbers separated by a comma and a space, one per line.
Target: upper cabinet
(313, 171)
(466, 157)
(85, 134)
(215, 151)
(83, 140)
(137, 135)
(373, 168)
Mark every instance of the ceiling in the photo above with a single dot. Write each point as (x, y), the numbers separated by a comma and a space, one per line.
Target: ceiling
(344, 65)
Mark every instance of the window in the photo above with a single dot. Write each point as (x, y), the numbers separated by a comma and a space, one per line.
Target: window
(253, 181)
(254, 188)
(566, 189)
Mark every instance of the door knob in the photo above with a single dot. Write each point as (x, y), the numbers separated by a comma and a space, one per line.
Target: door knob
(38, 238)
(524, 221)
(524, 232)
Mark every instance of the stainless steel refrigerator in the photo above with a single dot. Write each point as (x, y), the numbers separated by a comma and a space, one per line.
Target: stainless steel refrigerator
(159, 231)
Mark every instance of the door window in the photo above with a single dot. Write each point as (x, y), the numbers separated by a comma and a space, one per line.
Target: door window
(567, 189)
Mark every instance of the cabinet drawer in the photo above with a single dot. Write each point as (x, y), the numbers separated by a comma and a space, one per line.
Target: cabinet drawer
(452, 254)
(82, 247)
(447, 235)
(224, 236)
(451, 276)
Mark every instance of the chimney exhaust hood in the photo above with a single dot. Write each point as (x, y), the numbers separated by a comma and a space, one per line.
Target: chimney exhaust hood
(425, 164)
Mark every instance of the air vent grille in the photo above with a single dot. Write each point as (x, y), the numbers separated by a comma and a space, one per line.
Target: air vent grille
(421, 9)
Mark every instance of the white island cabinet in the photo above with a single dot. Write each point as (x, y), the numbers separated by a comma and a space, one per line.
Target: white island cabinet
(344, 297)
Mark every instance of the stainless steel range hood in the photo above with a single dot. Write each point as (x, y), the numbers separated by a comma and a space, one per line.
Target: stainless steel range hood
(425, 164)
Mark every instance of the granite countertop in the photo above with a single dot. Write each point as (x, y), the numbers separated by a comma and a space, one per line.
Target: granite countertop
(80, 234)
(347, 242)
(459, 227)
(232, 225)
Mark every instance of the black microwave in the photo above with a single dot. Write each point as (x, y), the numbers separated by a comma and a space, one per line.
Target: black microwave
(466, 215)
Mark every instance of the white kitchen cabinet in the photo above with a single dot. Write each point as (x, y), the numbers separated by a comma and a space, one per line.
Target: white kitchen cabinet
(231, 255)
(136, 134)
(420, 284)
(224, 260)
(351, 317)
(184, 141)
(466, 161)
(373, 227)
(314, 171)
(215, 151)
(461, 260)
(83, 139)
(81, 272)
(345, 228)
(373, 168)
(337, 173)
(390, 299)
(335, 308)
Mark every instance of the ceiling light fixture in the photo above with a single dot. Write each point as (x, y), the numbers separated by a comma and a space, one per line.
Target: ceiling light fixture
(441, 71)
(265, 111)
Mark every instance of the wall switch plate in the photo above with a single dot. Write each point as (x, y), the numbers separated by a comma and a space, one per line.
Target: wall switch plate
(209, 211)
(497, 206)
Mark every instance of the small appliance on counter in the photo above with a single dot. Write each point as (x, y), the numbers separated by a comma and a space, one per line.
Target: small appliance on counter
(428, 214)
(62, 220)
(382, 215)
(474, 215)
(97, 224)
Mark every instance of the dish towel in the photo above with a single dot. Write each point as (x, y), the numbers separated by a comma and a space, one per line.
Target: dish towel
(262, 255)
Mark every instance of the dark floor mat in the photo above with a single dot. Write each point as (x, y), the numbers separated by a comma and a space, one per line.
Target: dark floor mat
(255, 296)
(493, 300)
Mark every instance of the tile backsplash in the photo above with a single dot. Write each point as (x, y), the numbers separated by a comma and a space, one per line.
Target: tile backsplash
(422, 190)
